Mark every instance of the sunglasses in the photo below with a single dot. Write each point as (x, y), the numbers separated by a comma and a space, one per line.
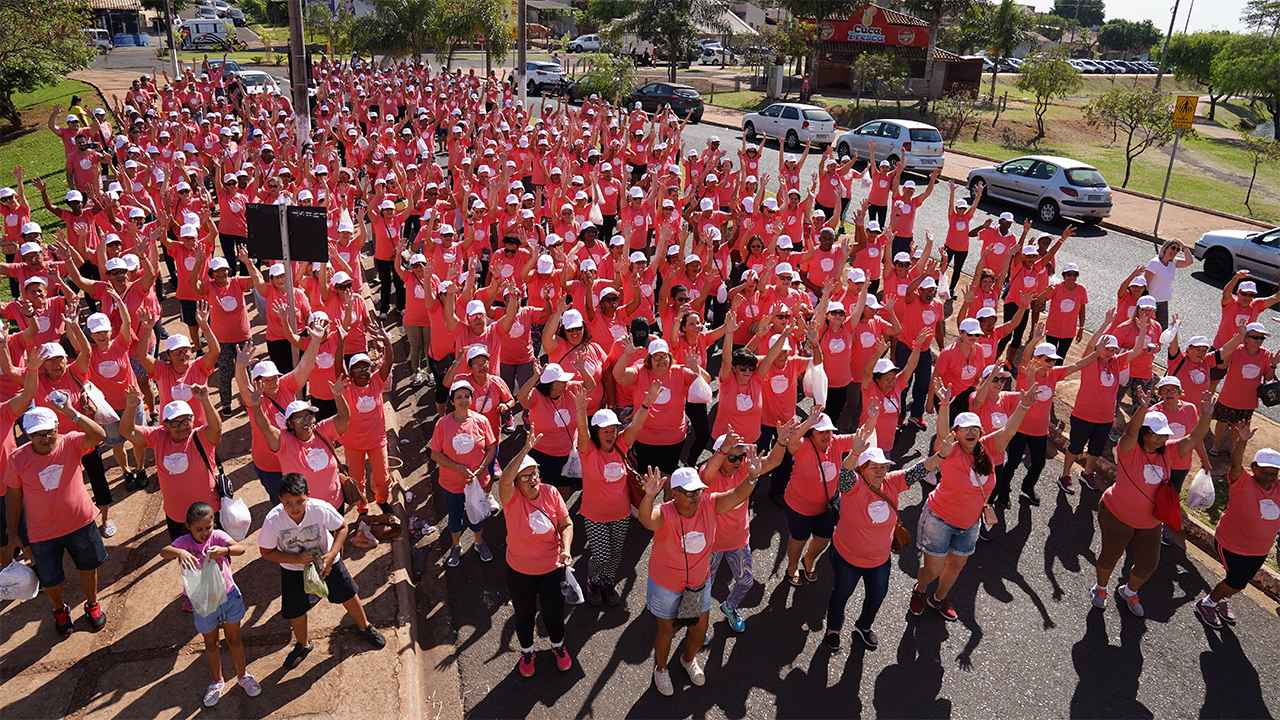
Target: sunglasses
(839, 313)
(734, 458)
(343, 286)
(783, 316)
(1255, 337)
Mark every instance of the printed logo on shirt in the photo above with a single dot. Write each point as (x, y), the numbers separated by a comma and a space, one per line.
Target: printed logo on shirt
(366, 404)
(51, 477)
(1251, 371)
(176, 463)
(1197, 377)
(693, 542)
(463, 443)
(836, 345)
(109, 368)
(324, 360)
(1268, 509)
(181, 391)
(614, 471)
(827, 264)
(778, 384)
(744, 402)
(1067, 305)
(1153, 474)
(228, 302)
(317, 459)
(873, 252)
(999, 420)
(1043, 392)
(418, 292)
(929, 317)
(1179, 431)
(998, 248)
(878, 511)
(1106, 378)
(562, 418)
(42, 323)
(968, 372)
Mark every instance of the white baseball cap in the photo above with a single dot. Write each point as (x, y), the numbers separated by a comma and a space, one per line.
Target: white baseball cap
(1047, 350)
(276, 269)
(873, 455)
(967, 419)
(98, 322)
(1108, 341)
(1070, 267)
(39, 419)
(1248, 286)
(1199, 341)
(884, 365)
(476, 351)
(176, 409)
(604, 418)
(1146, 301)
(358, 358)
(266, 368)
(824, 423)
(30, 247)
(119, 264)
(971, 326)
(554, 373)
(475, 307)
(985, 312)
(460, 385)
(214, 264)
(571, 319)
(1266, 457)
(686, 479)
(1256, 327)
(176, 341)
(658, 346)
(1169, 380)
(1006, 216)
(1157, 422)
(30, 229)
(298, 406)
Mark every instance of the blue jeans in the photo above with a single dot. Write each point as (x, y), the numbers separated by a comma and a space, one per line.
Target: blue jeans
(918, 384)
(846, 579)
(270, 480)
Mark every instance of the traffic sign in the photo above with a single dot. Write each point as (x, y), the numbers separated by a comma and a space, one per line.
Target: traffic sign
(1184, 112)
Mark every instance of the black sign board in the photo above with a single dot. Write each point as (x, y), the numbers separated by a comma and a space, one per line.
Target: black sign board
(308, 232)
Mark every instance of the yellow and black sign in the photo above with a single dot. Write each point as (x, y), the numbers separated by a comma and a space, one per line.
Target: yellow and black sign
(1184, 112)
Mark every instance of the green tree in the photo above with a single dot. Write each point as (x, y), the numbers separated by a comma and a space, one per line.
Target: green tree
(1262, 150)
(39, 44)
(671, 25)
(396, 27)
(819, 12)
(957, 111)
(1089, 13)
(602, 12)
(1250, 65)
(1192, 58)
(334, 27)
(461, 22)
(609, 76)
(1049, 76)
(1055, 28)
(932, 12)
(1144, 117)
(1263, 16)
(1128, 37)
(1004, 28)
(966, 33)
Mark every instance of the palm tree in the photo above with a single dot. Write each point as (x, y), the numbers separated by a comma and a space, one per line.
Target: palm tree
(1004, 28)
(932, 11)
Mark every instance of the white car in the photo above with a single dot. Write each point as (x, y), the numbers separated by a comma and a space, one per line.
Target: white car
(1226, 251)
(222, 7)
(794, 123)
(917, 145)
(585, 43)
(716, 54)
(256, 81)
(544, 75)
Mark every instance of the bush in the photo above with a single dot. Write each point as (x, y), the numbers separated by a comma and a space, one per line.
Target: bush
(256, 60)
(256, 10)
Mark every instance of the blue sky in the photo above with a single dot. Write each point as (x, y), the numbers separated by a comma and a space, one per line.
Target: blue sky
(1205, 14)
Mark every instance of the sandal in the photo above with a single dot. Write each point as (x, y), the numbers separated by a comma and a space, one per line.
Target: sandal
(794, 579)
(811, 575)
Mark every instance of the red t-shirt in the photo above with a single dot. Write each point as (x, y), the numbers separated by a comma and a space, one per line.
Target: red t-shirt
(1181, 422)
(605, 496)
(53, 492)
(462, 442)
(554, 420)
(315, 460)
(228, 315)
(184, 478)
(533, 545)
(111, 371)
(1099, 385)
(864, 535)
(995, 414)
(666, 422)
(486, 398)
(367, 428)
(733, 529)
(778, 395)
(1244, 374)
(1036, 422)
(961, 493)
(1127, 335)
(175, 386)
(1132, 498)
(1249, 524)
(1063, 318)
(890, 410)
(958, 371)
(837, 348)
(807, 493)
(680, 556)
(1234, 317)
(741, 407)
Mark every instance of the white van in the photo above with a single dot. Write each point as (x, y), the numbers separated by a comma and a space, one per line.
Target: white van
(99, 38)
(206, 33)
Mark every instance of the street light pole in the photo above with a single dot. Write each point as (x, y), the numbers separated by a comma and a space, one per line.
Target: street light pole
(173, 51)
(1164, 48)
(298, 75)
(521, 66)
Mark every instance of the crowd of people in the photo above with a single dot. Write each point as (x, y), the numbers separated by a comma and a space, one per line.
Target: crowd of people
(639, 319)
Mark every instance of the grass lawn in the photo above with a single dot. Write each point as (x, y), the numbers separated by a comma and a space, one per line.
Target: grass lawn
(248, 57)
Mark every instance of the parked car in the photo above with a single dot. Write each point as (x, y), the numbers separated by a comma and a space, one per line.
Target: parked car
(716, 54)
(1226, 251)
(257, 81)
(917, 145)
(545, 75)
(230, 66)
(100, 39)
(236, 15)
(1056, 187)
(207, 12)
(585, 43)
(987, 65)
(684, 100)
(222, 7)
(1096, 67)
(794, 123)
(1080, 66)
(204, 33)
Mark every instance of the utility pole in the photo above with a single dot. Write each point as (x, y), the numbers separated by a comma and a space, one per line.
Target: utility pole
(298, 76)
(521, 42)
(173, 51)
(1190, 7)
(1164, 47)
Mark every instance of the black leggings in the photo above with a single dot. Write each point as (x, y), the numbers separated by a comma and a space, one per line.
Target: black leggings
(229, 243)
(877, 213)
(1063, 344)
(387, 279)
(281, 353)
(1037, 447)
(440, 368)
(91, 462)
(700, 427)
(664, 457)
(959, 257)
(526, 591)
(837, 397)
(1011, 309)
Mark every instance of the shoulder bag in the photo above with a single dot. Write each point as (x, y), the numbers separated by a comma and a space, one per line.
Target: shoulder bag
(901, 535)
(221, 482)
(1168, 504)
(833, 501)
(690, 609)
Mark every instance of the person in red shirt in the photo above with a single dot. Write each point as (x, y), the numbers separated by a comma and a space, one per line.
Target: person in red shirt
(551, 417)
(1247, 529)
(1126, 515)
(366, 434)
(921, 310)
(464, 444)
(1064, 322)
(684, 532)
(953, 511)
(43, 478)
(539, 538)
(305, 446)
(1093, 414)
(1247, 365)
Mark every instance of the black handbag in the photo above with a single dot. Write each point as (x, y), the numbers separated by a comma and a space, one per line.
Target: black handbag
(1269, 393)
(833, 501)
(221, 483)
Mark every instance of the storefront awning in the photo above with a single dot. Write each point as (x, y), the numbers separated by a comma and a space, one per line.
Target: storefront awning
(833, 48)
(115, 4)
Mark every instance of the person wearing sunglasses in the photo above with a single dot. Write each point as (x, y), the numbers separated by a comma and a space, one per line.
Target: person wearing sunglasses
(539, 538)
(1161, 271)
(742, 376)
(1240, 306)
(1094, 414)
(1141, 329)
(1247, 365)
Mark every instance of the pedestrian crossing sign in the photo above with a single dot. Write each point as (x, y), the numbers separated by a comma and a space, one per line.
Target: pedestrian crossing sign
(1184, 112)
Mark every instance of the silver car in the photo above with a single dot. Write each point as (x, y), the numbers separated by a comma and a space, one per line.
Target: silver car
(1226, 251)
(1056, 187)
(917, 145)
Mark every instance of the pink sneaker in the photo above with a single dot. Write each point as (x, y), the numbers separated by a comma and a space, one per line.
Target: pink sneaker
(563, 661)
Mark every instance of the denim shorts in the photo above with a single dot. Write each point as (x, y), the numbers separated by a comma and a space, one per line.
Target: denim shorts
(84, 546)
(114, 438)
(664, 603)
(456, 504)
(937, 537)
(228, 613)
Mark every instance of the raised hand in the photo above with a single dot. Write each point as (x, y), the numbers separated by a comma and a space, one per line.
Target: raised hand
(339, 385)
(651, 481)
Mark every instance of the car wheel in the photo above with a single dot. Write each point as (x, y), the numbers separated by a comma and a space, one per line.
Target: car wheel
(532, 88)
(1218, 264)
(749, 132)
(793, 141)
(893, 161)
(1049, 211)
(977, 185)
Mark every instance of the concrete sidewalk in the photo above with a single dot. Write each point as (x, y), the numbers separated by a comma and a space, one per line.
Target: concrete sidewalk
(1133, 213)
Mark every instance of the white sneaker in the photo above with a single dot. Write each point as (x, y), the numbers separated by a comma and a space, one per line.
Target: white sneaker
(419, 378)
(696, 676)
(662, 681)
(494, 506)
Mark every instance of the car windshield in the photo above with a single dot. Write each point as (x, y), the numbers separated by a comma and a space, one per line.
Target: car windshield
(546, 66)
(818, 116)
(686, 92)
(1085, 177)
(254, 80)
(928, 135)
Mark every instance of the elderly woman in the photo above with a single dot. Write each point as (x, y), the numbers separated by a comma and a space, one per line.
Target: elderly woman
(948, 528)
(661, 443)
(107, 365)
(304, 446)
(1126, 515)
(539, 535)
(551, 418)
(1247, 364)
(684, 533)
(464, 444)
(178, 370)
(184, 455)
(274, 293)
(366, 433)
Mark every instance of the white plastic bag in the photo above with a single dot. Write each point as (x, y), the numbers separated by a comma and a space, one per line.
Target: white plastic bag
(573, 466)
(944, 288)
(570, 588)
(1200, 495)
(815, 383)
(18, 582)
(235, 518)
(1167, 336)
(700, 391)
(477, 502)
(103, 414)
(205, 587)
